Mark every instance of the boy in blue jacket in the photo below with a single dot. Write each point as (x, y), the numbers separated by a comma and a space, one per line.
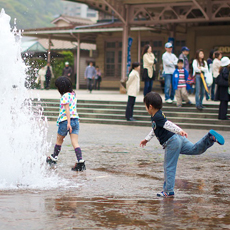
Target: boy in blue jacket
(179, 84)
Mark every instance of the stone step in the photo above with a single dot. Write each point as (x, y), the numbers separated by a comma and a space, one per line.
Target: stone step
(148, 124)
(56, 101)
(187, 109)
(113, 112)
(203, 115)
(146, 118)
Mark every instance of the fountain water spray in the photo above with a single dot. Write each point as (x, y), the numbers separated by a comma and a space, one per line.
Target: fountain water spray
(23, 136)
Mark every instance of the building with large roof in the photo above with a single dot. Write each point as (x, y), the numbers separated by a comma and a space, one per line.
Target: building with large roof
(197, 24)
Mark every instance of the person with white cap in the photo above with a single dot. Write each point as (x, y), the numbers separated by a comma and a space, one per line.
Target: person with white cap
(169, 62)
(67, 71)
(222, 92)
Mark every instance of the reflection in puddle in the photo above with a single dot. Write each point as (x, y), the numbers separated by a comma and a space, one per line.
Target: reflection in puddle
(123, 213)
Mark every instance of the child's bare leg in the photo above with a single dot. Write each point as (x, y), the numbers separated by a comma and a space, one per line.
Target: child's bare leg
(60, 139)
(74, 140)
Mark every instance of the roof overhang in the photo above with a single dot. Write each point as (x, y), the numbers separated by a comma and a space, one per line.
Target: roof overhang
(152, 12)
(88, 35)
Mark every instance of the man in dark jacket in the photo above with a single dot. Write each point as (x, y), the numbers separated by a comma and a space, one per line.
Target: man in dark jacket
(67, 71)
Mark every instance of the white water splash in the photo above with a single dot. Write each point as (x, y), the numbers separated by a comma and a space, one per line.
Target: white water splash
(23, 136)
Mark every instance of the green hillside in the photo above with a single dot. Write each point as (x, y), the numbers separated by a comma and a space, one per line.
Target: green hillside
(32, 13)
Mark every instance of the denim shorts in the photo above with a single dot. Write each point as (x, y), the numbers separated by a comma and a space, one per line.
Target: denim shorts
(62, 129)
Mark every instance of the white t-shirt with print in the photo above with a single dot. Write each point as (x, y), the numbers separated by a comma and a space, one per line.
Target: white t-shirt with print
(68, 98)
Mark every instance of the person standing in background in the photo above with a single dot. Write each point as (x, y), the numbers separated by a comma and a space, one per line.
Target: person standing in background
(42, 78)
(215, 72)
(222, 92)
(184, 56)
(179, 84)
(209, 62)
(67, 71)
(133, 88)
(169, 62)
(148, 68)
(90, 73)
(199, 66)
(97, 81)
(49, 74)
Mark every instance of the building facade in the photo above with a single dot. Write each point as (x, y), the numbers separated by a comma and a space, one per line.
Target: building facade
(80, 10)
(201, 24)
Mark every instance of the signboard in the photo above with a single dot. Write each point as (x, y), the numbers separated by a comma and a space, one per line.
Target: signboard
(171, 40)
(130, 41)
(223, 49)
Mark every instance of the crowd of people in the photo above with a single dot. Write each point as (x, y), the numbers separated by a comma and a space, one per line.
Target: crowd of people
(209, 78)
(92, 75)
(44, 76)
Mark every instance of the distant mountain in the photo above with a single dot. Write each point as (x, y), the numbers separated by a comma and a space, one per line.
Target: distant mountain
(32, 13)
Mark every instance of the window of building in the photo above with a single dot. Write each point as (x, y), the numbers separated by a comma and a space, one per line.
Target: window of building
(91, 15)
(113, 59)
(178, 45)
(110, 44)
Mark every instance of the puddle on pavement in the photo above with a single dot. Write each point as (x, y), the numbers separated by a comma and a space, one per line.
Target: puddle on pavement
(120, 193)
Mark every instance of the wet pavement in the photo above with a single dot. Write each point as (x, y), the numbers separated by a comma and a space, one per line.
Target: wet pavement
(118, 189)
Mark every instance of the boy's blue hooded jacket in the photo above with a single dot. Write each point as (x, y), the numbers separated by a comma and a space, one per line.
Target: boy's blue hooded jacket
(176, 79)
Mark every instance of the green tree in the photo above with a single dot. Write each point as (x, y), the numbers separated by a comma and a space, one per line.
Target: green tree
(32, 13)
(34, 64)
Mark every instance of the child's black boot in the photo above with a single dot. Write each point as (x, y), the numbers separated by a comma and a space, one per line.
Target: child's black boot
(79, 166)
(52, 159)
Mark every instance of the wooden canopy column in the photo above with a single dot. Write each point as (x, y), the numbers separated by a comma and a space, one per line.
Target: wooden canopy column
(125, 36)
(78, 62)
(49, 49)
(139, 47)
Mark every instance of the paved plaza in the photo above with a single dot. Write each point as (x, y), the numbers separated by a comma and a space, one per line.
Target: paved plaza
(118, 189)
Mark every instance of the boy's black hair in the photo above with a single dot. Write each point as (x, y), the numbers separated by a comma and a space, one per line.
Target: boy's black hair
(64, 85)
(153, 99)
(180, 61)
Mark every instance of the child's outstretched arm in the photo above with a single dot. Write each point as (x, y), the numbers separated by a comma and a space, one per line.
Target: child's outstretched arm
(147, 138)
(170, 126)
(68, 118)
